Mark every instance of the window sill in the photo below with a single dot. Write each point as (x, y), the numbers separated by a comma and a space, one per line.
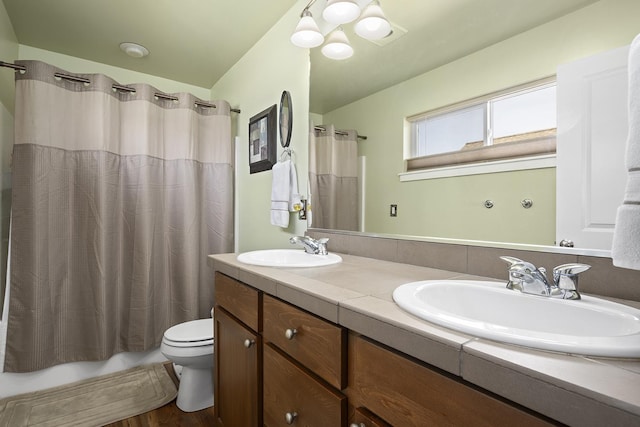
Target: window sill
(516, 164)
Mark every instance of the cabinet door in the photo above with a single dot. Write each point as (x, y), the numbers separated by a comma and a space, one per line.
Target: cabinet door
(238, 393)
(292, 396)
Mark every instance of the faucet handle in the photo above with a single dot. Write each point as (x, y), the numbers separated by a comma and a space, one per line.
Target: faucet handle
(515, 273)
(572, 268)
(322, 246)
(565, 277)
(511, 260)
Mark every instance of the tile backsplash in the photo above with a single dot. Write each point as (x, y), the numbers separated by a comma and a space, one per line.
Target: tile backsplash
(602, 279)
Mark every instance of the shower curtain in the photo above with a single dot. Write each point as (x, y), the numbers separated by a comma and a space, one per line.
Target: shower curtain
(333, 178)
(118, 197)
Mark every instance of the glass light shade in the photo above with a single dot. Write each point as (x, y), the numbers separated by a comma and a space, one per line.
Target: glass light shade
(341, 11)
(373, 25)
(337, 46)
(307, 33)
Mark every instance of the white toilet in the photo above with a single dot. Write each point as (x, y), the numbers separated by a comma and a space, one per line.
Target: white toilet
(190, 345)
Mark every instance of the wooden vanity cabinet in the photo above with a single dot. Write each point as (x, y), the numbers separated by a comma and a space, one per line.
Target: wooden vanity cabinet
(404, 392)
(276, 364)
(305, 363)
(237, 354)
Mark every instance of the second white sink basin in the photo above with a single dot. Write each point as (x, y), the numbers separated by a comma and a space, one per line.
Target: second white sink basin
(287, 258)
(590, 326)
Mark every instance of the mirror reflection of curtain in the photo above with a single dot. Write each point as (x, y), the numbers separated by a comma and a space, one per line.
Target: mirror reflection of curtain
(333, 178)
(117, 200)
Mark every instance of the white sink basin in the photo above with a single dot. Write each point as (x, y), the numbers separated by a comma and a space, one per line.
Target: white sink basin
(287, 258)
(590, 326)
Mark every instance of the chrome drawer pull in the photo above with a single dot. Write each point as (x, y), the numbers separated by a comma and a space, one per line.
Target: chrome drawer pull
(248, 343)
(357, 425)
(290, 417)
(290, 333)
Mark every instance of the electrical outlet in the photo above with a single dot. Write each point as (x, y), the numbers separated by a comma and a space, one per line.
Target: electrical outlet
(393, 210)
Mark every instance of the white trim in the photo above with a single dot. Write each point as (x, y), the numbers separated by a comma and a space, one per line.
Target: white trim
(508, 165)
(500, 94)
(362, 173)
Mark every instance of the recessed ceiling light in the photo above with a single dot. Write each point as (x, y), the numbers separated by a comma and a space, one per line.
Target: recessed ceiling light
(134, 50)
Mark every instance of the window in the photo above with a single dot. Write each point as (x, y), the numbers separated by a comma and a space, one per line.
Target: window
(450, 131)
(516, 123)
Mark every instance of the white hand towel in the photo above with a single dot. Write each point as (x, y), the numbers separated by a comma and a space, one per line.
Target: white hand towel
(294, 196)
(284, 193)
(626, 237)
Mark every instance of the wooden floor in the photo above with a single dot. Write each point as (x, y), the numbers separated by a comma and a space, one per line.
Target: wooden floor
(169, 415)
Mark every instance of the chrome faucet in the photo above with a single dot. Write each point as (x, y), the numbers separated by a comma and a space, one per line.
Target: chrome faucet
(527, 278)
(311, 245)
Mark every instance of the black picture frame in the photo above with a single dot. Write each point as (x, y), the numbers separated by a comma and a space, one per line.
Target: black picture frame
(262, 140)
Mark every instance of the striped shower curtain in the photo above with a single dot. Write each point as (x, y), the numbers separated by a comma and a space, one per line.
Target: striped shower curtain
(333, 178)
(118, 197)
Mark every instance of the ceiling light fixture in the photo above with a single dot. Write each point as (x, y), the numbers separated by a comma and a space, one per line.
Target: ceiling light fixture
(134, 50)
(337, 46)
(373, 25)
(307, 33)
(341, 11)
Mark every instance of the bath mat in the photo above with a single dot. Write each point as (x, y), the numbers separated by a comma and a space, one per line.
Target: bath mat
(93, 402)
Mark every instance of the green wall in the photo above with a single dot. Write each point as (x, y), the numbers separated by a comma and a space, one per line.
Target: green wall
(253, 84)
(453, 207)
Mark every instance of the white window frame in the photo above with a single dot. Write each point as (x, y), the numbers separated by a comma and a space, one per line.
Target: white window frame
(530, 154)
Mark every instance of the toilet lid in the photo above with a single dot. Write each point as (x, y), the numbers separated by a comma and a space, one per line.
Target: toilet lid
(192, 331)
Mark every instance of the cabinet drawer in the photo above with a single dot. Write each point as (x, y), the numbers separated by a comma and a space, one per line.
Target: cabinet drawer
(240, 300)
(404, 393)
(290, 392)
(315, 343)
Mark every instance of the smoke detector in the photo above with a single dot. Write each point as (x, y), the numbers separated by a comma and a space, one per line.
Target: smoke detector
(134, 50)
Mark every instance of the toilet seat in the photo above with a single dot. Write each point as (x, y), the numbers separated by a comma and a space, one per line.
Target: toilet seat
(195, 333)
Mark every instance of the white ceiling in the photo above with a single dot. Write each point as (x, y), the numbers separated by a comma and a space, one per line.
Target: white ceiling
(197, 41)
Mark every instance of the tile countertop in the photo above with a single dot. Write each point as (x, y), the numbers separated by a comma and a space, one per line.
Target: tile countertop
(357, 294)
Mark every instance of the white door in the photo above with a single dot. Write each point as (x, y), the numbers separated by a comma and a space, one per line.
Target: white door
(591, 144)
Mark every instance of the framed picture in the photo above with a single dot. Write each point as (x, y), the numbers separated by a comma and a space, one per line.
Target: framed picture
(262, 140)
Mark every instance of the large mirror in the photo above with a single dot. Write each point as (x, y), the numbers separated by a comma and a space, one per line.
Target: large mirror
(443, 52)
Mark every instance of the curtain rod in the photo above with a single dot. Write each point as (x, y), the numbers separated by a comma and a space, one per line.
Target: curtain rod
(14, 66)
(114, 86)
(338, 132)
